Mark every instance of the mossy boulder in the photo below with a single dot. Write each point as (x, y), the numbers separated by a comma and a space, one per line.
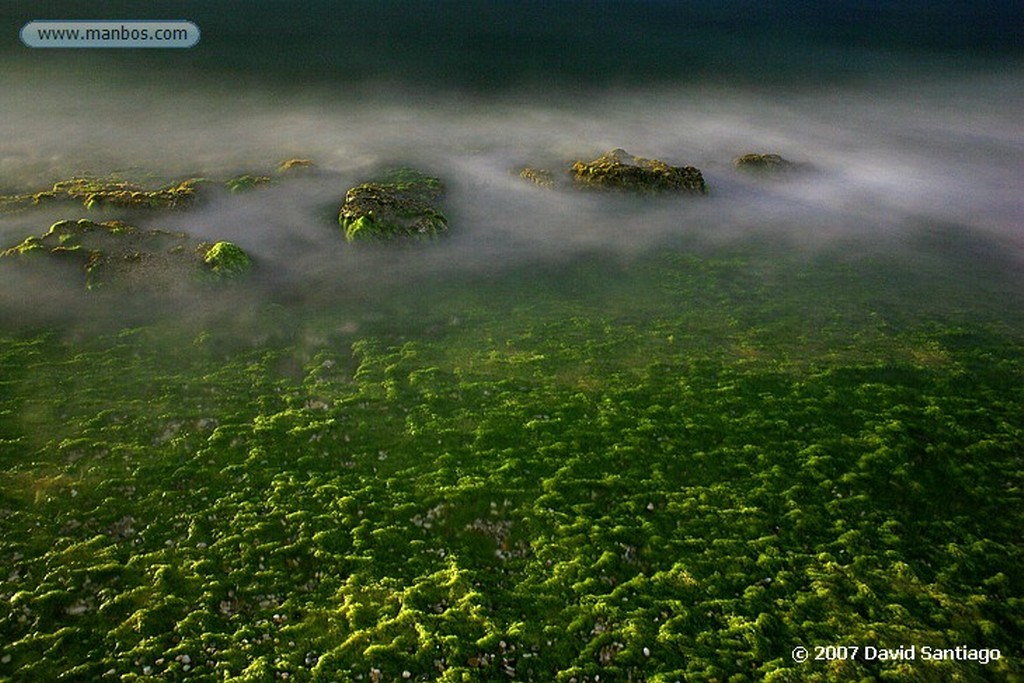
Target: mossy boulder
(763, 164)
(118, 254)
(227, 259)
(619, 170)
(401, 204)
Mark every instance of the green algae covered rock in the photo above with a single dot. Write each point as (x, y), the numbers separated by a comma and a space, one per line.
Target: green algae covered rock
(118, 254)
(399, 205)
(245, 182)
(96, 193)
(227, 259)
(619, 170)
(251, 181)
(763, 164)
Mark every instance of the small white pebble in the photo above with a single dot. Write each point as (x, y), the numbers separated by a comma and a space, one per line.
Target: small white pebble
(406, 674)
(647, 652)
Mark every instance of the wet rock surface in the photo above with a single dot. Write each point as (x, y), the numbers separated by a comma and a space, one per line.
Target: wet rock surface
(297, 166)
(113, 253)
(401, 204)
(538, 176)
(620, 170)
(768, 164)
(95, 193)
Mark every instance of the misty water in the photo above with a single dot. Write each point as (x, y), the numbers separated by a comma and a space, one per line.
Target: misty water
(928, 155)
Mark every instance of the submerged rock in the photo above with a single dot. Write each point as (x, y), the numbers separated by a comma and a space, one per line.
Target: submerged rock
(115, 253)
(763, 163)
(538, 176)
(619, 170)
(251, 181)
(96, 193)
(399, 205)
(296, 166)
(245, 182)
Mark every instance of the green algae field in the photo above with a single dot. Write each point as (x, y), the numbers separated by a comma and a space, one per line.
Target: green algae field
(680, 466)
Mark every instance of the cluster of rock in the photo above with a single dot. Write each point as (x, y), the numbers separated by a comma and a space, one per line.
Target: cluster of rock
(400, 204)
(95, 193)
(115, 253)
(247, 181)
(620, 171)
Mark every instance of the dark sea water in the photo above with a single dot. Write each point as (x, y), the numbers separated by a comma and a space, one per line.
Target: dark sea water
(908, 114)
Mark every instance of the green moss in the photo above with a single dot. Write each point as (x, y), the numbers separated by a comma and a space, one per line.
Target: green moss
(30, 245)
(227, 259)
(361, 228)
(649, 475)
(245, 183)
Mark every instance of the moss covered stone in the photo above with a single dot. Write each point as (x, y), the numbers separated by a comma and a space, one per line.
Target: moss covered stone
(227, 259)
(115, 253)
(619, 170)
(399, 205)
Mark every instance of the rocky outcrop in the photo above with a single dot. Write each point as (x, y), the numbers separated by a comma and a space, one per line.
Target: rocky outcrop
(620, 170)
(113, 253)
(245, 182)
(538, 176)
(764, 164)
(296, 166)
(401, 204)
(96, 193)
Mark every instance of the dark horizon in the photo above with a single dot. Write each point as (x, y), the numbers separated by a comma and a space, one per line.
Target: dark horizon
(489, 45)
